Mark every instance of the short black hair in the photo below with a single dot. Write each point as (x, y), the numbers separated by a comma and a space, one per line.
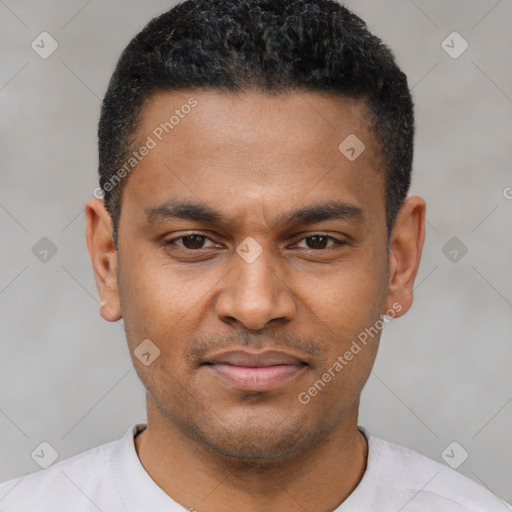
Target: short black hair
(268, 45)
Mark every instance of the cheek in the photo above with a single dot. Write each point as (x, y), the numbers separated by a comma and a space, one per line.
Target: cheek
(351, 295)
(161, 303)
(346, 312)
(351, 340)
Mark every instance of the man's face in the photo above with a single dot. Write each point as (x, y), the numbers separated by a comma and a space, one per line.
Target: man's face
(254, 278)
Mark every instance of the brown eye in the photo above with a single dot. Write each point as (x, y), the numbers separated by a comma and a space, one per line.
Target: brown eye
(317, 242)
(193, 241)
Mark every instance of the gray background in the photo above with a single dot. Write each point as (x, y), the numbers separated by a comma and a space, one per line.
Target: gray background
(443, 372)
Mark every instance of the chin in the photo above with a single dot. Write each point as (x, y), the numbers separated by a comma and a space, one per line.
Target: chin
(255, 443)
(252, 449)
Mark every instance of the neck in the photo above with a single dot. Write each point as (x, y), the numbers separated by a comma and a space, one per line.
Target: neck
(319, 477)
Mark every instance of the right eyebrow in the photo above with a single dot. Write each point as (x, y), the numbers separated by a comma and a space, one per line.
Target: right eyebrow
(185, 210)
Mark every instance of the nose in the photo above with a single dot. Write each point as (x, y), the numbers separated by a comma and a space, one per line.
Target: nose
(255, 293)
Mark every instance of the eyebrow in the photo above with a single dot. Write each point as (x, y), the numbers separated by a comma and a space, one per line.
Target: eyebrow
(197, 212)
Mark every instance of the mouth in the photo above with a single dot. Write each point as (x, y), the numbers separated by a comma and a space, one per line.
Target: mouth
(246, 370)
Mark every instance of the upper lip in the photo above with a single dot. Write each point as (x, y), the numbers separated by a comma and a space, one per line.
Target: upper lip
(254, 359)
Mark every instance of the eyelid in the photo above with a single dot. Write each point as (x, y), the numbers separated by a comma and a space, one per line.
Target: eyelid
(172, 240)
(335, 240)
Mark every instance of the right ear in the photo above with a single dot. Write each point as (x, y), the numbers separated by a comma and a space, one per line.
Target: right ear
(103, 253)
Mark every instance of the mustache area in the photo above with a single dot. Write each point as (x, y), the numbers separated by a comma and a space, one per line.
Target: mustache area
(200, 347)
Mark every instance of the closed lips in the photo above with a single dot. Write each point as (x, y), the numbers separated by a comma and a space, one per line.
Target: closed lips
(252, 360)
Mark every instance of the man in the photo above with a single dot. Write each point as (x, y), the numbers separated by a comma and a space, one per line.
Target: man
(255, 235)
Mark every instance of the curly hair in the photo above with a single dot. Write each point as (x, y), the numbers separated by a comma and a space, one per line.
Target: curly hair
(267, 45)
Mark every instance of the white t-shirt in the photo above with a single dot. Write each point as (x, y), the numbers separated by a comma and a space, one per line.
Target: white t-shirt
(110, 478)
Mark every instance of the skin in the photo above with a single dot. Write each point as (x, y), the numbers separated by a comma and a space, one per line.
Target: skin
(254, 158)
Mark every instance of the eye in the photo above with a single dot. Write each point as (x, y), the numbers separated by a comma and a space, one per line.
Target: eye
(196, 242)
(192, 241)
(319, 241)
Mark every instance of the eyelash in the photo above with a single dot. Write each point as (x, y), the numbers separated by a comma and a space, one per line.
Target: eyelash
(337, 241)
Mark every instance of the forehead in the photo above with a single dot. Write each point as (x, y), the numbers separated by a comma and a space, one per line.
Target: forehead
(236, 150)
(297, 121)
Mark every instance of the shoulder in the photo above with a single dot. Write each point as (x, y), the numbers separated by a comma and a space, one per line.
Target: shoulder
(80, 482)
(422, 482)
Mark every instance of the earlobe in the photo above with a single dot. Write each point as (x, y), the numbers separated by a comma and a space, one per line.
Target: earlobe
(406, 246)
(103, 253)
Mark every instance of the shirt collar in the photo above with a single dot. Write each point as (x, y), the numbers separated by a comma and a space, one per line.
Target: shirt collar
(138, 490)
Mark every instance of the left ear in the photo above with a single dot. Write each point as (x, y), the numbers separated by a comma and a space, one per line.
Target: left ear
(406, 246)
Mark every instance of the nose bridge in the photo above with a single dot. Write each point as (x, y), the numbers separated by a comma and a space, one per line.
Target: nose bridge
(254, 292)
(256, 274)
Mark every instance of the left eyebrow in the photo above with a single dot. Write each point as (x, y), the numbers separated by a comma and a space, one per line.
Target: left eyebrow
(311, 214)
(322, 212)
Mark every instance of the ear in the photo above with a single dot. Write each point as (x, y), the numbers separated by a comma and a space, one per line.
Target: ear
(406, 246)
(103, 253)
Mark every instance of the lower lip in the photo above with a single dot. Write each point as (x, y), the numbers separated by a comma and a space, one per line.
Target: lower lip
(262, 378)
